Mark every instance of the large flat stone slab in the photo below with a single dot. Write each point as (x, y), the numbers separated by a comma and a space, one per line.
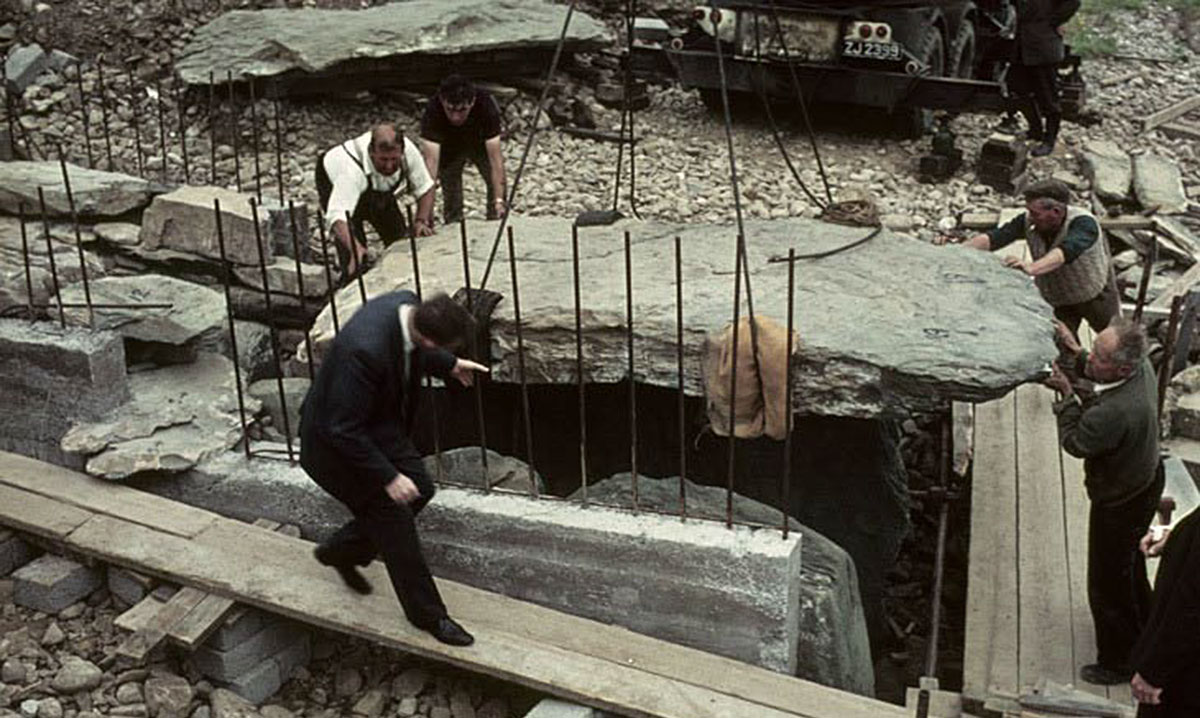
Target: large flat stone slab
(185, 221)
(307, 42)
(888, 326)
(97, 193)
(193, 310)
(1157, 182)
(1109, 169)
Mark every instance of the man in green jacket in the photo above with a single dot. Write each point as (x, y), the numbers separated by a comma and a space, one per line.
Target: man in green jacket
(1115, 432)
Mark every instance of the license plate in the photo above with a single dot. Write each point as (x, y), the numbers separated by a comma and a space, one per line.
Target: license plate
(871, 50)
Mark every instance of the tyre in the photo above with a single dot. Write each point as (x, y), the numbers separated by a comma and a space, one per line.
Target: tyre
(912, 123)
(962, 52)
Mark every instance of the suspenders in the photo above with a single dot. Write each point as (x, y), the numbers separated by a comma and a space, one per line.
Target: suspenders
(362, 166)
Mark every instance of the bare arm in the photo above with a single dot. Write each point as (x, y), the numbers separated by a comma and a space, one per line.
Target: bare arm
(1051, 261)
(979, 241)
(424, 220)
(432, 152)
(496, 162)
(356, 251)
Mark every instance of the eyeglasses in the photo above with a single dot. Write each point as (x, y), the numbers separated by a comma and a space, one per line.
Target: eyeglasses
(458, 106)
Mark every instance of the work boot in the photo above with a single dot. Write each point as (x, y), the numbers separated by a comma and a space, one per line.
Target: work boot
(1052, 124)
(1043, 149)
(349, 574)
(448, 631)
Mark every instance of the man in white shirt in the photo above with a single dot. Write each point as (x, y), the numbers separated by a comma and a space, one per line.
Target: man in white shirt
(363, 178)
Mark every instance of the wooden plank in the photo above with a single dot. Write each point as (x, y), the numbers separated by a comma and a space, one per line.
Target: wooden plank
(38, 515)
(991, 653)
(1178, 233)
(1181, 129)
(99, 496)
(277, 574)
(1178, 288)
(138, 645)
(1169, 113)
(1045, 609)
(138, 616)
(1076, 507)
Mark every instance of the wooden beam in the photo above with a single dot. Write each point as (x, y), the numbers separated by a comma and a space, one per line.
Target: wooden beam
(1181, 129)
(1169, 113)
(138, 645)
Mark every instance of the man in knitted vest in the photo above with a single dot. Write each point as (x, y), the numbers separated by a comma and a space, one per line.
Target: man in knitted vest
(1115, 432)
(1070, 260)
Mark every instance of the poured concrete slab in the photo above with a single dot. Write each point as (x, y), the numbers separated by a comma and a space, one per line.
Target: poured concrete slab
(889, 325)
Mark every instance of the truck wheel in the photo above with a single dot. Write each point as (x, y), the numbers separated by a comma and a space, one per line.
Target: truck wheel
(962, 52)
(912, 123)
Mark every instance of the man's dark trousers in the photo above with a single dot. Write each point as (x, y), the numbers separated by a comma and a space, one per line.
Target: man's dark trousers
(450, 171)
(378, 208)
(1118, 590)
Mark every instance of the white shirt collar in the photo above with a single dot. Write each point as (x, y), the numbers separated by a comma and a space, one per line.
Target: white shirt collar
(1101, 388)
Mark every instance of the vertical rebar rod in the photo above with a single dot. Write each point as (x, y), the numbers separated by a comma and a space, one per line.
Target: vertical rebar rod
(300, 286)
(212, 128)
(278, 148)
(633, 432)
(630, 14)
(512, 265)
(135, 121)
(1164, 375)
(359, 269)
(187, 165)
(104, 113)
(83, 273)
(737, 314)
(438, 464)
(583, 474)
(682, 403)
(254, 135)
(935, 611)
(262, 267)
(331, 290)
(476, 353)
(62, 315)
(9, 117)
(233, 127)
(1144, 284)
(83, 114)
(162, 128)
(785, 490)
(233, 350)
(25, 255)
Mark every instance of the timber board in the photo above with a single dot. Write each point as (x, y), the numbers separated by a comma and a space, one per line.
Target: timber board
(39, 515)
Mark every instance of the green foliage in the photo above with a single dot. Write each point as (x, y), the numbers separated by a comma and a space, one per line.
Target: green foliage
(1086, 42)
(1100, 7)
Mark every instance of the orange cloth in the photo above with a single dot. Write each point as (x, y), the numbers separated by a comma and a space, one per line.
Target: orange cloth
(761, 406)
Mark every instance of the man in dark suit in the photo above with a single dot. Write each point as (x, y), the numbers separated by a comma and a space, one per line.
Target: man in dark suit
(355, 442)
(1037, 53)
(1167, 655)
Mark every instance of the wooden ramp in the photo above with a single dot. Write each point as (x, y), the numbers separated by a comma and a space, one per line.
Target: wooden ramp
(573, 658)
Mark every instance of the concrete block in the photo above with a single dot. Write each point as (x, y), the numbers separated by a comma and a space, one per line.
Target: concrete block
(555, 708)
(294, 655)
(229, 664)
(257, 684)
(243, 623)
(51, 583)
(15, 552)
(51, 378)
(128, 586)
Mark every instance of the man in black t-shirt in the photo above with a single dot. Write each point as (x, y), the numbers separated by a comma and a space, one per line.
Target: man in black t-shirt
(462, 122)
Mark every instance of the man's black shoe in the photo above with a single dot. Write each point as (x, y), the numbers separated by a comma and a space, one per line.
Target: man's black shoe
(1042, 150)
(1098, 675)
(350, 575)
(448, 631)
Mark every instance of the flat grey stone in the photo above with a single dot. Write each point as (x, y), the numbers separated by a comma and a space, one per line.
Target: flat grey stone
(97, 193)
(123, 233)
(22, 66)
(282, 277)
(185, 221)
(1157, 182)
(194, 309)
(1109, 169)
(51, 583)
(294, 390)
(504, 472)
(15, 552)
(168, 696)
(891, 325)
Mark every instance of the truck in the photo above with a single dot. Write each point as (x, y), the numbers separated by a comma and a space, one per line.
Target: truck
(902, 57)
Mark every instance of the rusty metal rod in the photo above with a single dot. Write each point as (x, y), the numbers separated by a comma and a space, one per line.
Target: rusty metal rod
(233, 127)
(785, 493)
(476, 353)
(312, 375)
(331, 290)
(262, 267)
(134, 120)
(633, 432)
(109, 305)
(512, 264)
(1144, 284)
(83, 114)
(162, 128)
(1168, 361)
(104, 112)
(25, 255)
(187, 165)
(237, 372)
(359, 265)
(83, 273)
(212, 128)
(10, 117)
(935, 611)
(737, 312)
(682, 403)
(254, 135)
(439, 466)
(278, 148)
(583, 474)
(62, 316)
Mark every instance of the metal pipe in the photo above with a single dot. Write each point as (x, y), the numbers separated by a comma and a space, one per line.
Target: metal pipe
(233, 126)
(682, 404)
(212, 128)
(187, 165)
(134, 120)
(476, 353)
(935, 617)
(330, 289)
(737, 311)
(87, 288)
(83, 114)
(633, 433)
(312, 375)
(512, 264)
(278, 149)
(162, 128)
(25, 255)
(583, 474)
(785, 493)
(262, 266)
(62, 316)
(103, 112)
(237, 372)
(254, 134)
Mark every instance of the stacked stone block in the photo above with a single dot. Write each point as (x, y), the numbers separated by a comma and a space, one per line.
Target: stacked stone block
(14, 552)
(253, 653)
(51, 583)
